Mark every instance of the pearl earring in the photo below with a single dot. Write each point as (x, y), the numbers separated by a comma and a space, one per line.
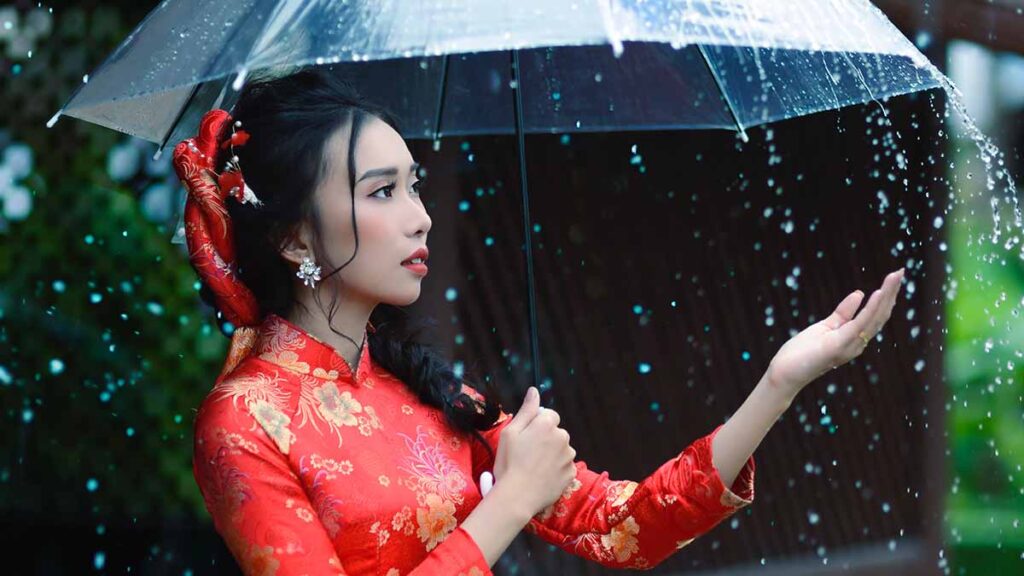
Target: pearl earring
(308, 272)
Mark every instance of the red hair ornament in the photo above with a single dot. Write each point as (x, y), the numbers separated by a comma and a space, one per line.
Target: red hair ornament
(208, 232)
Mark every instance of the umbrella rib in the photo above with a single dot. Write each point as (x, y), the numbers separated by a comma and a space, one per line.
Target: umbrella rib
(177, 118)
(441, 98)
(725, 95)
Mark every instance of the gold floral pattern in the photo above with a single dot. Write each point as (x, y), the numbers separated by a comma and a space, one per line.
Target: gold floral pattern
(560, 507)
(293, 498)
(369, 422)
(252, 388)
(337, 408)
(435, 521)
(382, 533)
(275, 423)
(331, 466)
(402, 521)
(622, 540)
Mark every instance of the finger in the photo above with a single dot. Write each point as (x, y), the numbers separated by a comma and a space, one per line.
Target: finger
(890, 288)
(845, 311)
(865, 320)
(527, 412)
(550, 415)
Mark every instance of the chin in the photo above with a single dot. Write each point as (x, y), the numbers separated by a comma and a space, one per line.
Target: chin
(405, 298)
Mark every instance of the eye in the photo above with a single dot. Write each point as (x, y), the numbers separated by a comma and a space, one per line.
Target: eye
(418, 186)
(389, 188)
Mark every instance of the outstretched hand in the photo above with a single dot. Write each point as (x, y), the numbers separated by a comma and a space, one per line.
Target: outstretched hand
(835, 340)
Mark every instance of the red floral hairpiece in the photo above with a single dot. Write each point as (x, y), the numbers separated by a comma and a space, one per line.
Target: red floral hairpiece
(230, 179)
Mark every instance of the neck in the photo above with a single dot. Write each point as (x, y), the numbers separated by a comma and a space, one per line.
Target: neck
(350, 318)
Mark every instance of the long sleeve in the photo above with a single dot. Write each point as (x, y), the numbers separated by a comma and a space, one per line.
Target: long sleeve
(627, 524)
(257, 503)
(262, 511)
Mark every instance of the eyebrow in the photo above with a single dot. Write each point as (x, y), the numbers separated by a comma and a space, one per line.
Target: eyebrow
(386, 172)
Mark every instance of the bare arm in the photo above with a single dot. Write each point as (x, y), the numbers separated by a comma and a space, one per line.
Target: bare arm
(742, 434)
(495, 522)
(821, 347)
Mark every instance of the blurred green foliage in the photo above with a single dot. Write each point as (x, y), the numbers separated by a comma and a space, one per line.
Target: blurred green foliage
(105, 346)
(985, 399)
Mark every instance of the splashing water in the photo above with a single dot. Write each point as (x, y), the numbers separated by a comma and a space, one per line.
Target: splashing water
(988, 152)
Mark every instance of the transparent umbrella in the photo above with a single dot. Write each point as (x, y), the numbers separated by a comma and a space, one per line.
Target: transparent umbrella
(465, 67)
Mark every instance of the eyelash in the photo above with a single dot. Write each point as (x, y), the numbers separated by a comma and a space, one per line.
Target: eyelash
(416, 186)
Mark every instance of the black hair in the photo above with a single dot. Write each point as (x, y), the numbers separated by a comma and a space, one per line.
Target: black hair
(290, 119)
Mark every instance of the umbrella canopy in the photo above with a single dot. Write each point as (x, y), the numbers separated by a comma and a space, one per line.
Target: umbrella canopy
(589, 65)
(463, 67)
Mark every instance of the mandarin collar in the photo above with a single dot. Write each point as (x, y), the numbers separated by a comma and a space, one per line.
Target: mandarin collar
(289, 346)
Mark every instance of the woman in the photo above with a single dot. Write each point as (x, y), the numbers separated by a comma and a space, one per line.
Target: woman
(333, 442)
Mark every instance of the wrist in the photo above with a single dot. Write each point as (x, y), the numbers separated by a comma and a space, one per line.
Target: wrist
(780, 392)
(510, 498)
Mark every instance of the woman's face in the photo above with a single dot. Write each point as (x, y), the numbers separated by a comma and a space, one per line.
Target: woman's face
(392, 221)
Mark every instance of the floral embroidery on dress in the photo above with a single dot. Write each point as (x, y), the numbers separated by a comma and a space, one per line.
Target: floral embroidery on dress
(622, 541)
(337, 408)
(454, 443)
(382, 533)
(431, 471)
(619, 492)
(324, 502)
(560, 507)
(287, 359)
(403, 521)
(229, 491)
(304, 514)
(318, 462)
(279, 344)
(321, 373)
(369, 422)
(234, 443)
(249, 389)
(275, 423)
(436, 521)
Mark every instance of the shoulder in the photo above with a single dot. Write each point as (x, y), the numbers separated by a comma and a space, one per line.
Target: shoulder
(255, 392)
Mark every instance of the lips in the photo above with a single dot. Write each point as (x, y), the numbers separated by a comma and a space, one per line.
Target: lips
(421, 253)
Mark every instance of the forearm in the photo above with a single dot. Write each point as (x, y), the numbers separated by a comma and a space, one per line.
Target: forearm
(738, 438)
(495, 522)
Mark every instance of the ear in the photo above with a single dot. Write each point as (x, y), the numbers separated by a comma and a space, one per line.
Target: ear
(298, 245)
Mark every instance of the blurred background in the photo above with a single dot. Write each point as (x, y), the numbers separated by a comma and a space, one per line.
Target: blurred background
(670, 268)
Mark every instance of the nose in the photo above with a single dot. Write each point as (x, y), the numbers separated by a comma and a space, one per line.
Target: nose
(420, 220)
